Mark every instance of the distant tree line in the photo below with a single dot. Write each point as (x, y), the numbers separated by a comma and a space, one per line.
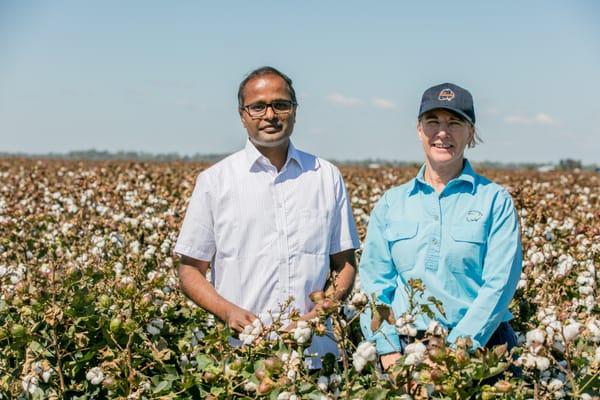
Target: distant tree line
(103, 155)
(563, 165)
(569, 164)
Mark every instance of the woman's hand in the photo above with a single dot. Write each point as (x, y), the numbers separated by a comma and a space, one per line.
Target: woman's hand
(389, 359)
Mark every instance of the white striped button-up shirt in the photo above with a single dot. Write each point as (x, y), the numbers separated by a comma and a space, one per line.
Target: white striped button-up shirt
(268, 234)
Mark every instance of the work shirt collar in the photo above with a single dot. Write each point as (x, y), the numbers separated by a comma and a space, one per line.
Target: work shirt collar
(467, 176)
(255, 157)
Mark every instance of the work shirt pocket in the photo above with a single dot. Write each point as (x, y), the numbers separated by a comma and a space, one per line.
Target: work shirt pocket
(402, 242)
(314, 226)
(468, 248)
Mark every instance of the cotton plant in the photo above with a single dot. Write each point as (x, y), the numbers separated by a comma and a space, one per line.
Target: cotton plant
(430, 365)
(561, 351)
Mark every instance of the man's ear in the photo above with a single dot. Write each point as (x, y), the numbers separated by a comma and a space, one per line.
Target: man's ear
(241, 112)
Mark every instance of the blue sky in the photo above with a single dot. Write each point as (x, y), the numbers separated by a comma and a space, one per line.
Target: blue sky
(162, 76)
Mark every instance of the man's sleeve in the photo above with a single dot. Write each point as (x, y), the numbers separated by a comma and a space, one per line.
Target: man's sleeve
(196, 238)
(344, 235)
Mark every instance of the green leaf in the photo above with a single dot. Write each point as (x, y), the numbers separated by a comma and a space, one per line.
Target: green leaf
(217, 390)
(162, 387)
(203, 362)
(376, 394)
(39, 349)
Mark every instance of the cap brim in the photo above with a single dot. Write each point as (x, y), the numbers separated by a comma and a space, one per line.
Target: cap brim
(437, 107)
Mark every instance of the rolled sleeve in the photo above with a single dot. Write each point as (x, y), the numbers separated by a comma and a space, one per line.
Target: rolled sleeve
(378, 279)
(501, 271)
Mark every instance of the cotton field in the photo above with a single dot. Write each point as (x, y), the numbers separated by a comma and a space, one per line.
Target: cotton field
(90, 305)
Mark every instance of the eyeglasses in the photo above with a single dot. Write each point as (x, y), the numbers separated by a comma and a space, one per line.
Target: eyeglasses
(259, 109)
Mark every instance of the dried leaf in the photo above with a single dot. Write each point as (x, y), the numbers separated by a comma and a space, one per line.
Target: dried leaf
(382, 312)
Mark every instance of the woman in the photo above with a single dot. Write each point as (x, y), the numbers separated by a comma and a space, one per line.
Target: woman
(454, 230)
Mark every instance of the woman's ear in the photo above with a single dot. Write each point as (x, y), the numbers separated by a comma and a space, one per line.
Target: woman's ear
(419, 130)
(471, 141)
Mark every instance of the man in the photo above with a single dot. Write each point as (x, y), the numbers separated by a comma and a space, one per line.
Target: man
(270, 221)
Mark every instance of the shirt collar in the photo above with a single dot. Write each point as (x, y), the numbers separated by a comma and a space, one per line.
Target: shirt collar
(254, 157)
(467, 175)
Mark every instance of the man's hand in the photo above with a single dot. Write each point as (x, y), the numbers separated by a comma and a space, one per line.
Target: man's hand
(237, 318)
(192, 275)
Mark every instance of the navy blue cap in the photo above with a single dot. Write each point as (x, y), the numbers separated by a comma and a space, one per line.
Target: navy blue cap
(450, 97)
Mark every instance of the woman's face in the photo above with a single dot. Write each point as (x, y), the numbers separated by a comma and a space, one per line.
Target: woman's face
(444, 136)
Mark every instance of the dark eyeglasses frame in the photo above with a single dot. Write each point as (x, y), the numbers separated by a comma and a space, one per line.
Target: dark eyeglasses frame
(267, 105)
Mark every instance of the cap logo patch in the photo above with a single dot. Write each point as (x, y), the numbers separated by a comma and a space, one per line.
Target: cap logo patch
(446, 95)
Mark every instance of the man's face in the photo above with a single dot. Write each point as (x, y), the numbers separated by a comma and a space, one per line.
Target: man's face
(274, 127)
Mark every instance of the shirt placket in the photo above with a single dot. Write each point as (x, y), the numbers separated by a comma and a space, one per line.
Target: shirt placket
(281, 215)
(434, 212)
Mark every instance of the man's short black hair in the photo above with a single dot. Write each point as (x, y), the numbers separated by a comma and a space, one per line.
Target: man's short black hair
(262, 71)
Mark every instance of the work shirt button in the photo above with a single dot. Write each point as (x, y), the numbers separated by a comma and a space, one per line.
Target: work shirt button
(436, 217)
(434, 241)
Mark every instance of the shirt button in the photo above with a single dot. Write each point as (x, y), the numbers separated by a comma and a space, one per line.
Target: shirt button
(436, 217)
(434, 241)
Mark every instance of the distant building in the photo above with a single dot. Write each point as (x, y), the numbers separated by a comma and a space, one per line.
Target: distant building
(546, 168)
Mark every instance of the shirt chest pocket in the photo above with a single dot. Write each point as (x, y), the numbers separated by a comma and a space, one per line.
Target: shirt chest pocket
(403, 243)
(313, 231)
(468, 247)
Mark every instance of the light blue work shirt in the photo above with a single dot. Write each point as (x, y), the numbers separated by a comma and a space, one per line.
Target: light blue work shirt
(464, 244)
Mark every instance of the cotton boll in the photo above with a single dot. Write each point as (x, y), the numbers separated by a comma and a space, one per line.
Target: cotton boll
(555, 384)
(47, 374)
(593, 331)
(302, 333)
(335, 380)
(367, 350)
(323, 383)
(527, 361)
(436, 329)
(405, 326)
(571, 331)
(95, 376)
(30, 383)
(535, 339)
(542, 363)
(250, 386)
(359, 363)
(412, 359)
(359, 300)
(155, 326)
(415, 353)
(286, 396)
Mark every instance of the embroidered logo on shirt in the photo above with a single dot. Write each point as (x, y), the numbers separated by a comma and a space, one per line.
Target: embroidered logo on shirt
(474, 215)
(446, 95)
